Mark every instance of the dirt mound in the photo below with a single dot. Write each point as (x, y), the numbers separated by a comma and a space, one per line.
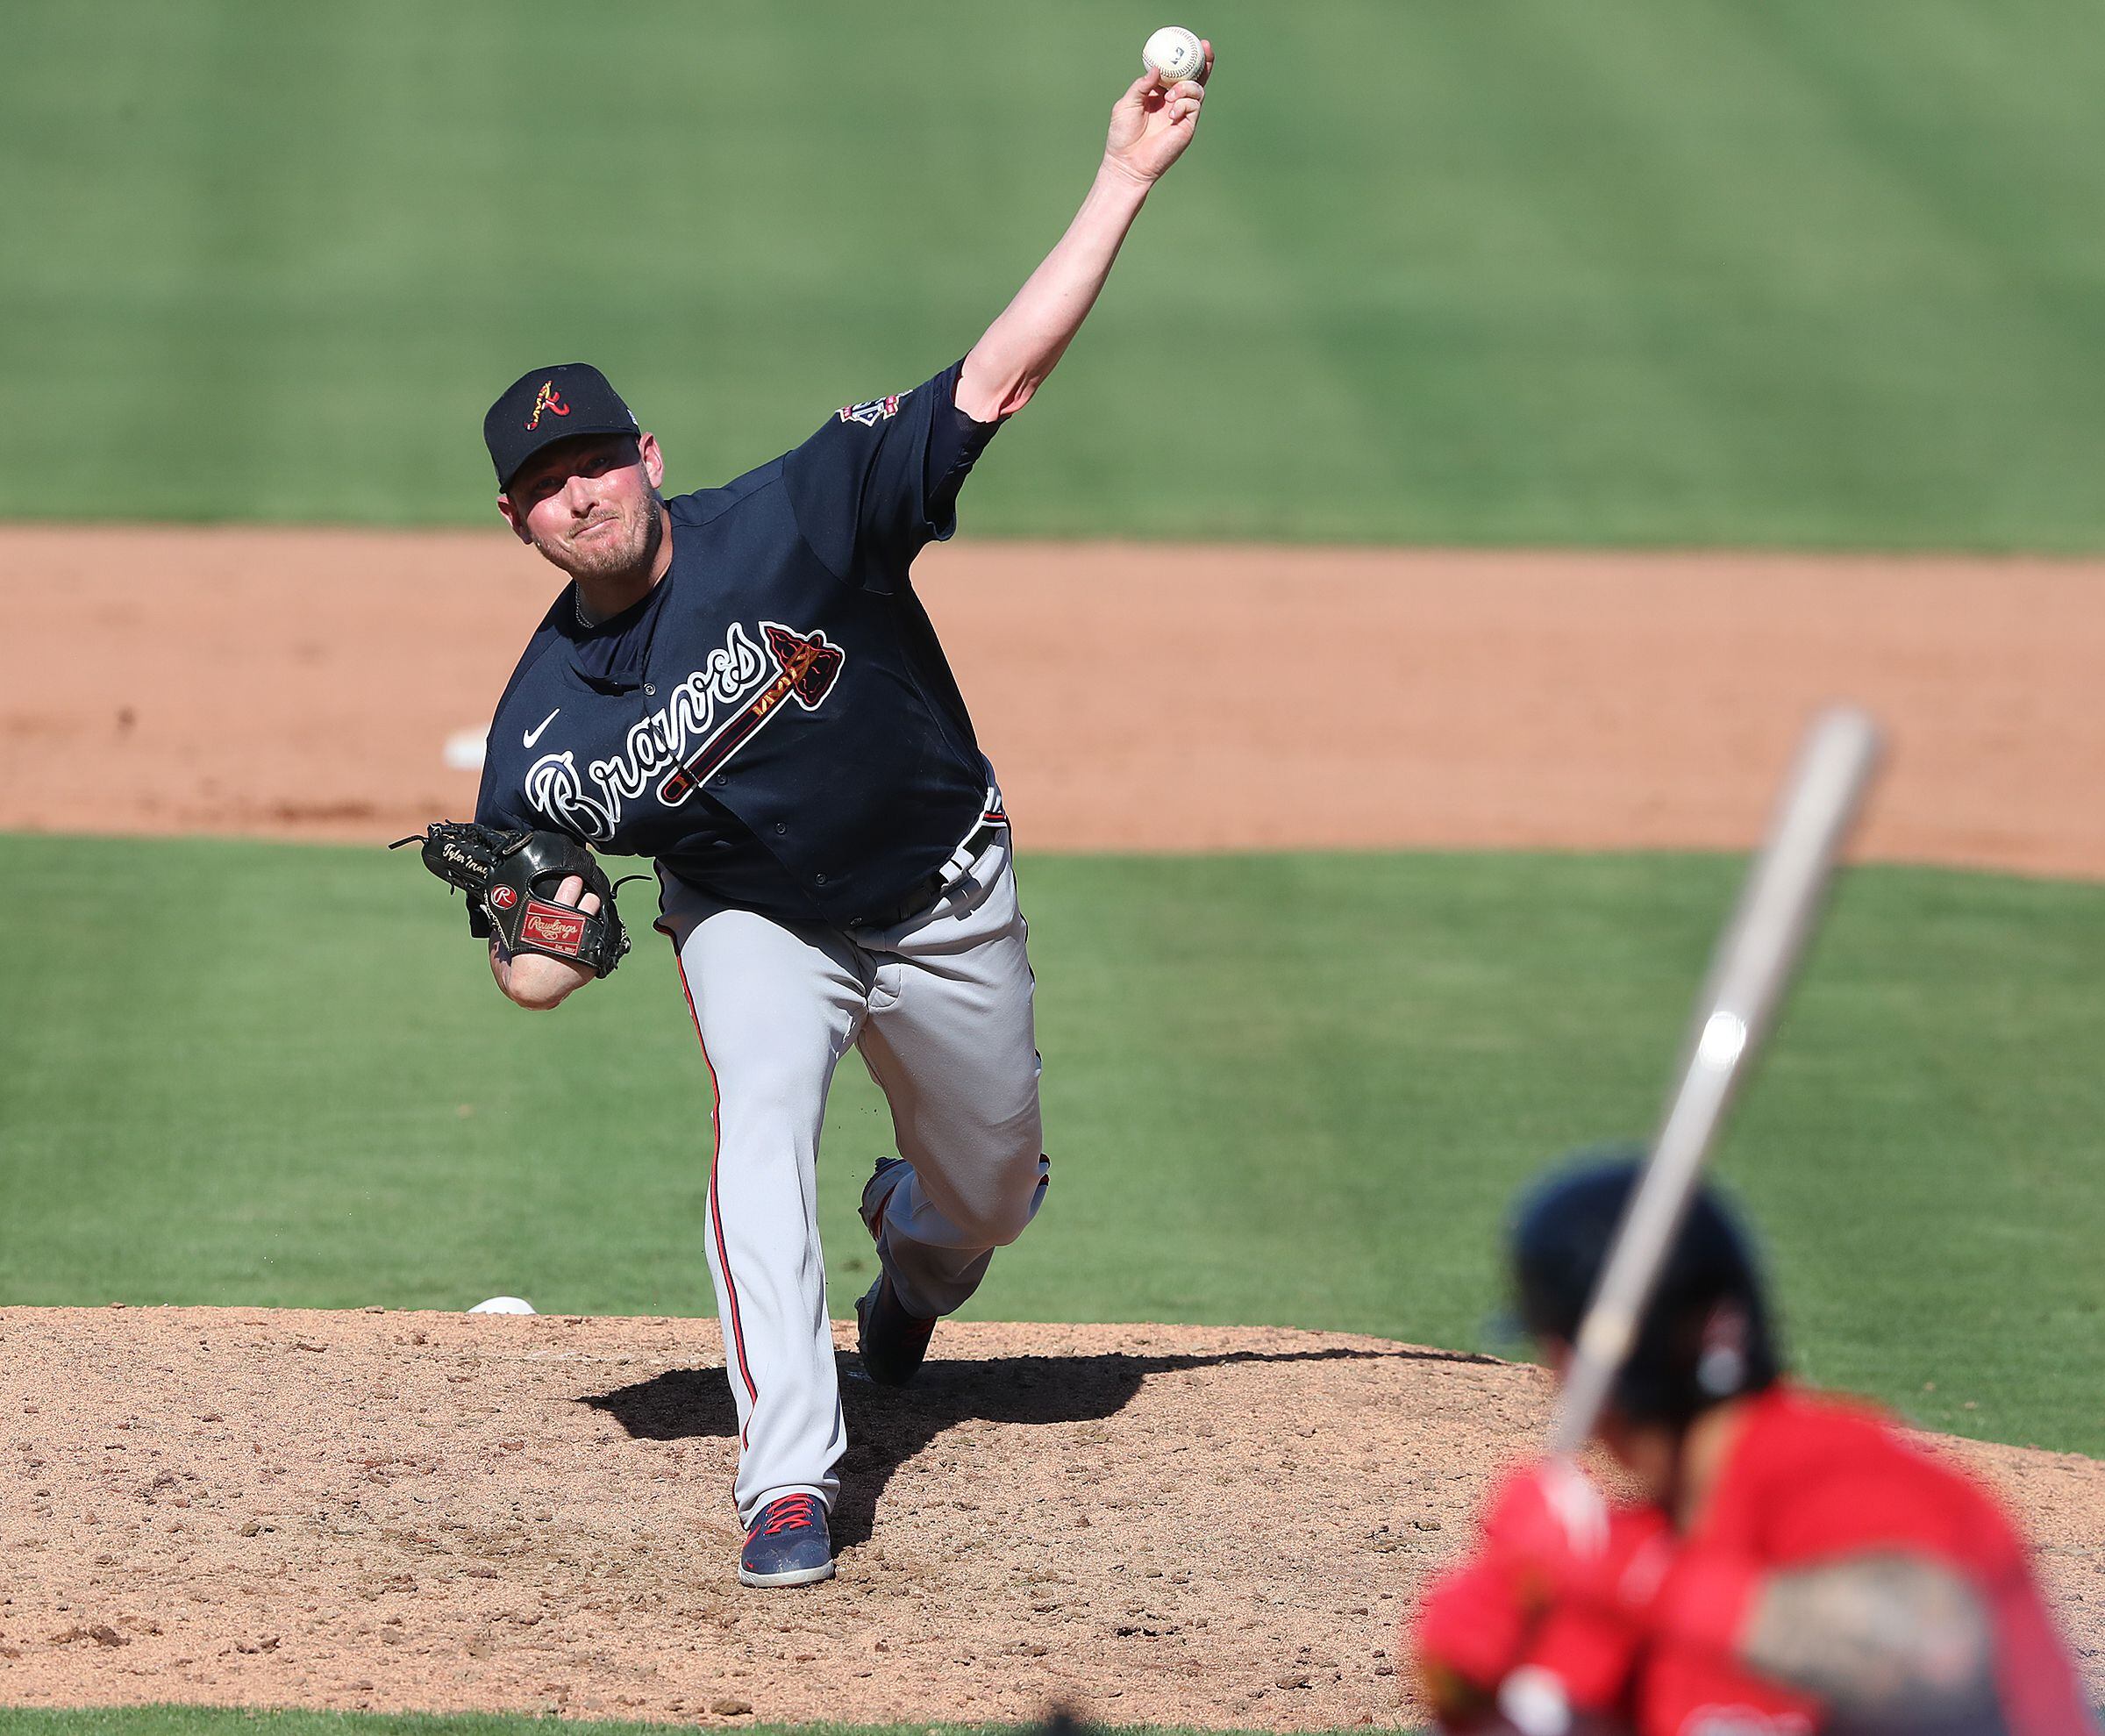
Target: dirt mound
(307, 684)
(437, 1512)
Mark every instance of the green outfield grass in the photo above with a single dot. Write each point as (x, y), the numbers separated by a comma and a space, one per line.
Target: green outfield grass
(1293, 1089)
(1634, 272)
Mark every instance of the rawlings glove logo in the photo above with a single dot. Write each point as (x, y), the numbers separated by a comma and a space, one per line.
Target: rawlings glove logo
(500, 869)
(552, 928)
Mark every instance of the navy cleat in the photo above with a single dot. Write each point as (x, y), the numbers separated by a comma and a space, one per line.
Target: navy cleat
(788, 1544)
(890, 1341)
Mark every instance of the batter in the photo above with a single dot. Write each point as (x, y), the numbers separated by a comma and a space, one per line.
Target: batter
(1778, 1562)
(741, 684)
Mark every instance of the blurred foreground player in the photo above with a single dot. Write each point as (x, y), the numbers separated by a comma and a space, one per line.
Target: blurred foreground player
(1786, 1563)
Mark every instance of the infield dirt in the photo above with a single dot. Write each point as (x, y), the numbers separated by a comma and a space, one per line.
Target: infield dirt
(1152, 1522)
(401, 1510)
(305, 684)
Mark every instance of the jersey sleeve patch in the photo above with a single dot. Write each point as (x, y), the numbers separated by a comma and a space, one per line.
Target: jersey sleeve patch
(877, 409)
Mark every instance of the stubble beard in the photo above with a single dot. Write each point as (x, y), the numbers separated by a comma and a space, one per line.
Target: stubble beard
(603, 559)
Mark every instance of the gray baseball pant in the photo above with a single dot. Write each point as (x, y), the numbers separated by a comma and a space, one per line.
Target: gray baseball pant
(940, 1006)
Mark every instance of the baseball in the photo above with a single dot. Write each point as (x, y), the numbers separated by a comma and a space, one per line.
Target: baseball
(1174, 52)
(502, 1304)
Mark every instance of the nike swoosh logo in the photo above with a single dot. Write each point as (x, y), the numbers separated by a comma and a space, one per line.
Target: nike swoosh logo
(534, 734)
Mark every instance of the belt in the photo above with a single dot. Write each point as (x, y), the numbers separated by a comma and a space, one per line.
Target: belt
(925, 891)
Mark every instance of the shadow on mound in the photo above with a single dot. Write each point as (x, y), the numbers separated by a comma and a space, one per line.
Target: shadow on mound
(888, 1426)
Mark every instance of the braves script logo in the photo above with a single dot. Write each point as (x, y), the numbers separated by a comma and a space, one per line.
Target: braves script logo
(876, 410)
(548, 399)
(711, 715)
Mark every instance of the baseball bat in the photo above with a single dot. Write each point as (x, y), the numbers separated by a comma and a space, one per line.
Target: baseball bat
(1753, 964)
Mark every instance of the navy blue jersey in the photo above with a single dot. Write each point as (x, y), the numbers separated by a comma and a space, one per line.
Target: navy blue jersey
(775, 723)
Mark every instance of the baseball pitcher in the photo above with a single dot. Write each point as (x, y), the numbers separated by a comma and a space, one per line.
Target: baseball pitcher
(741, 684)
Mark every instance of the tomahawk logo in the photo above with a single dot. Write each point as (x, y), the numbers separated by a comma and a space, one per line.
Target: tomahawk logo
(711, 715)
(806, 667)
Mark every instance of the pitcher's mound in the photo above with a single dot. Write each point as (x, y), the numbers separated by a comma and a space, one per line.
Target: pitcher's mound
(1148, 1524)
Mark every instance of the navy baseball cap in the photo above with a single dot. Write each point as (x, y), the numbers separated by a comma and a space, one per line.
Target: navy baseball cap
(547, 405)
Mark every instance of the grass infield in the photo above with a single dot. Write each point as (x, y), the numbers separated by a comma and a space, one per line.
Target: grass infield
(1629, 273)
(1290, 1090)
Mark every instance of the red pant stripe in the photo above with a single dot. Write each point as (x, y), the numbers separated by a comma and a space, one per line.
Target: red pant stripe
(715, 1216)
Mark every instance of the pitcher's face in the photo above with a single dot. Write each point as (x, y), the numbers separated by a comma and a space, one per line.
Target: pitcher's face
(591, 504)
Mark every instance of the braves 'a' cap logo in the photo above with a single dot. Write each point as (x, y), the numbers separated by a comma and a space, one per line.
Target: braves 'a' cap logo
(548, 399)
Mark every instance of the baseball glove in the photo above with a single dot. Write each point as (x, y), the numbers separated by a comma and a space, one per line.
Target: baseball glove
(510, 880)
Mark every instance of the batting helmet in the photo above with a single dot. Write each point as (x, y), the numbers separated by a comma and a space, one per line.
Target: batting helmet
(1705, 1336)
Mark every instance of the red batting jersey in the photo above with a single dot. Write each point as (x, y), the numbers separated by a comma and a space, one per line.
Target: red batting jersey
(1809, 1480)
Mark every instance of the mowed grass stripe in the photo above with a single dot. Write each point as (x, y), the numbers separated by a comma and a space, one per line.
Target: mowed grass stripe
(1291, 1090)
(1634, 272)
